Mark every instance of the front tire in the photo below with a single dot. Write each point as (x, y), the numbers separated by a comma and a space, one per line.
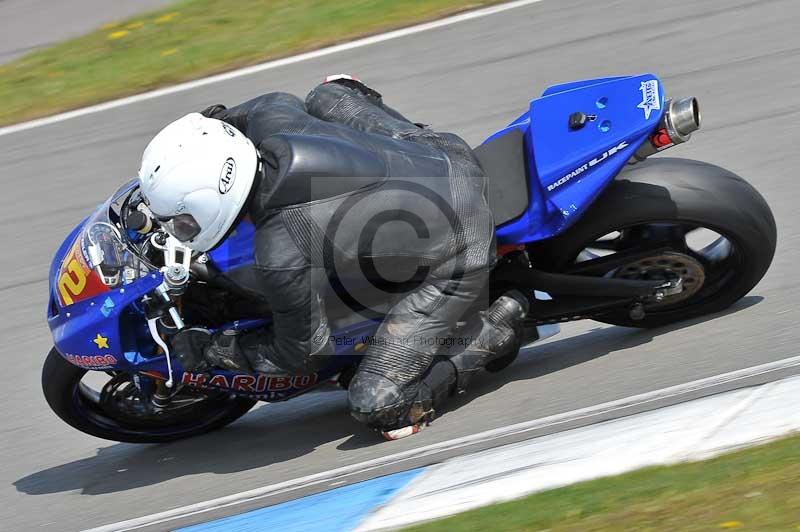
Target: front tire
(77, 405)
(664, 197)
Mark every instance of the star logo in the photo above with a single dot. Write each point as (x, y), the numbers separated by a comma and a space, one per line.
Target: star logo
(101, 341)
(650, 99)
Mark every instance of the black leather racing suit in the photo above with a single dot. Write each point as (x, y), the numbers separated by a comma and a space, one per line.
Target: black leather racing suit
(350, 190)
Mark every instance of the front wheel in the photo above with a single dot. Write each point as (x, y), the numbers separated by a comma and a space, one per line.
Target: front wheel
(697, 225)
(117, 411)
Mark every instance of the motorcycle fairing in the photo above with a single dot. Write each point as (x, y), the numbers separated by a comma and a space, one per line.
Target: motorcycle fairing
(90, 331)
(94, 330)
(569, 167)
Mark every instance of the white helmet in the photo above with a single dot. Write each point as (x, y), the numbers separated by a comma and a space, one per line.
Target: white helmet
(196, 175)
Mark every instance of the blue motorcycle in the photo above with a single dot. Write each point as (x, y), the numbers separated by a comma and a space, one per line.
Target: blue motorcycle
(587, 223)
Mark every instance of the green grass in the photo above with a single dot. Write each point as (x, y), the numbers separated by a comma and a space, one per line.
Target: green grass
(754, 489)
(192, 39)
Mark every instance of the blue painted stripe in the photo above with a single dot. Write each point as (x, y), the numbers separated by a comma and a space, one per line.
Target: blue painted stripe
(339, 509)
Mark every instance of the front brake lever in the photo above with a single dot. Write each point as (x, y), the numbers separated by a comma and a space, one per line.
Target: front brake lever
(152, 324)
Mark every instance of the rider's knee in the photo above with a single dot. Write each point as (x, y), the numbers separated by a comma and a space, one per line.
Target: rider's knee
(376, 401)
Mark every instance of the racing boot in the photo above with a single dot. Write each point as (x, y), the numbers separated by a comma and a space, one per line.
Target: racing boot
(498, 335)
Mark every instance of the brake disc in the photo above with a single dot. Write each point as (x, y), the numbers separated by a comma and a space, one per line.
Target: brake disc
(683, 271)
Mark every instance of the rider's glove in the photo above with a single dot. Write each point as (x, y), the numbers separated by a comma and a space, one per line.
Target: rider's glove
(213, 111)
(189, 346)
(225, 351)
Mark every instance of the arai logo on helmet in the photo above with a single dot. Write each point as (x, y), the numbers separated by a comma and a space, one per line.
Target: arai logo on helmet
(227, 176)
(650, 99)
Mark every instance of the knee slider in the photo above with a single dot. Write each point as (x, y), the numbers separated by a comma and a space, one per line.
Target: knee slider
(376, 400)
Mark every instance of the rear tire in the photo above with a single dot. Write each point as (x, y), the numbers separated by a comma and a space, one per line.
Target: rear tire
(666, 190)
(61, 386)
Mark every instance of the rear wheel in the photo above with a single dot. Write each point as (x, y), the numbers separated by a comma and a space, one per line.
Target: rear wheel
(117, 409)
(697, 225)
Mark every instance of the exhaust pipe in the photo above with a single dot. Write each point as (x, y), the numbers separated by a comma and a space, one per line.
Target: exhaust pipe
(680, 120)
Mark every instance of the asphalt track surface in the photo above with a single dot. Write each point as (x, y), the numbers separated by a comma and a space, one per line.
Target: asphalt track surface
(739, 57)
(30, 24)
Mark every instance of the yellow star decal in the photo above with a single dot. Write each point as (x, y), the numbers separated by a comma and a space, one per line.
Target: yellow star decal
(101, 341)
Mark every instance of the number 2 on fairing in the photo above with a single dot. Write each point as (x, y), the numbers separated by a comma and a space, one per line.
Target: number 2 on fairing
(68, 285)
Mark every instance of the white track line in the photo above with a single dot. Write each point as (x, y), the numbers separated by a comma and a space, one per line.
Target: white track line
(411, 30)
(472, 439)
(722, 419)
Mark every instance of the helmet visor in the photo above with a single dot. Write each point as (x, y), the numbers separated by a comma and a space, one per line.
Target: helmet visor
(182, 226)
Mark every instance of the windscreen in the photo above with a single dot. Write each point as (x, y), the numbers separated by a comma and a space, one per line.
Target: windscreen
(99, 258)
